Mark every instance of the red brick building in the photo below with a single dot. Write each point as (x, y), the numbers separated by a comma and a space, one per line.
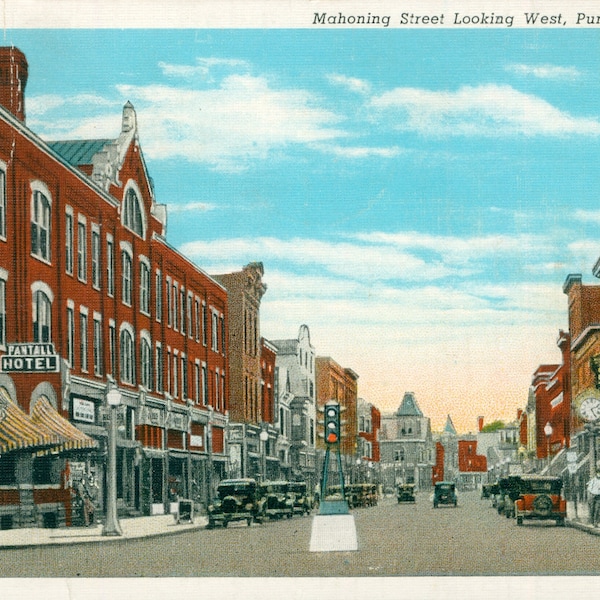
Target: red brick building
(87, 275)
(472, 467)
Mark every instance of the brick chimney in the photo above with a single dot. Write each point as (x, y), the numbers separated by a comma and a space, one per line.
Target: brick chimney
(479, 423)
(13, 79)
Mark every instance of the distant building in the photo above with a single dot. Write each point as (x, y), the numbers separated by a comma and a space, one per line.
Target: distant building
(369, 455)
(406, 445)
(296, 404)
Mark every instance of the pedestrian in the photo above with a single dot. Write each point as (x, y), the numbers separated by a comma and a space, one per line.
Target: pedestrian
(593, 488)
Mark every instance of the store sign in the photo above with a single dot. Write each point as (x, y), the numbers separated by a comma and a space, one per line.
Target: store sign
(30, 358)
(84, 410)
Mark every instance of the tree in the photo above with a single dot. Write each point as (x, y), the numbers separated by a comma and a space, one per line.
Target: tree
(493, 426)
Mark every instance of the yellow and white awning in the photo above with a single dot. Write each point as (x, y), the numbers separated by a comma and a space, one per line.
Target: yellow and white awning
(18, 431)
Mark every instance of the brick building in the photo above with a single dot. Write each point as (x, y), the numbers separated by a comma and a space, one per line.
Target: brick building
(86, 273)
(245, 290)
(335, 382)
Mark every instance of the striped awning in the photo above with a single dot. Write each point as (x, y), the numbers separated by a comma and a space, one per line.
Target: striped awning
(46, 418)
(18, 431)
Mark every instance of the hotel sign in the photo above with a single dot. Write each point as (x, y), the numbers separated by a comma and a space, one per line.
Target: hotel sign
(30, 358)
(84, 410)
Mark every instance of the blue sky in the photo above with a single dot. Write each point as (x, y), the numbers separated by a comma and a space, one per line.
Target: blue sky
(417, 196)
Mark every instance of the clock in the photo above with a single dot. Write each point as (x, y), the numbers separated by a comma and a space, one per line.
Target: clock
(589, 409)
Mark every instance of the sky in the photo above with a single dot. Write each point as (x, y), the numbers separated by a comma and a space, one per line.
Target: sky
(417, 196)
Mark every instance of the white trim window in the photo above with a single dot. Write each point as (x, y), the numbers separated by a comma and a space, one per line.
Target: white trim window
(97, 344)
(69, 240)
(215, 332)
(159, 368)
(42, 316)
(144, 286)
(112, 346)
(110, 266)
(146, 360)
(127, 276)
(71, 333)
(127, 354)
(81, 248)
(41, 212)
(159, 295)
(133, 215)
(83, 338)
(95, 256)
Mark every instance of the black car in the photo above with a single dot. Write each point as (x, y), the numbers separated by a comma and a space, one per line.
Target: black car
(275, 500)
(444, 493)
(302, 501)
(405, 492)
(237, 501)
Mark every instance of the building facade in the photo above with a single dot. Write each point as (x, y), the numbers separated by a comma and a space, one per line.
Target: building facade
(296, 404)
(86, 269)
(407, 447)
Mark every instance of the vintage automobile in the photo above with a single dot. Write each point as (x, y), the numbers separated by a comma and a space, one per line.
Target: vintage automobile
(510, 490)
(405, 492)
(444, 493)
(541, 498)
(275, 501)
(302, 502)
(237, 501)
(486, 490)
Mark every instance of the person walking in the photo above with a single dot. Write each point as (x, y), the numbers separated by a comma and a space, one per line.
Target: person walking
(593, 488)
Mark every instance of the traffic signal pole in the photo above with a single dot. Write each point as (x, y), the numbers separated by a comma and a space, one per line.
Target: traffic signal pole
(333, 529)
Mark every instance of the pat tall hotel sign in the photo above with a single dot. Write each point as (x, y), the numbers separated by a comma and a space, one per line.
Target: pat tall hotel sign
(30, 358)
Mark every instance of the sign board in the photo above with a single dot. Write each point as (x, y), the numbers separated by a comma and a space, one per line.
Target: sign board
(197, 441)
(84, 410)
(30, 358)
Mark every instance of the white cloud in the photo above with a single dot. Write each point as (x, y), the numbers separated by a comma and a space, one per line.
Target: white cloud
(588, 216)
(39, 105)
(190, 207)
(359, 152)
(356, 261)
(545, 71)
(353, 84)
(488, 110)
(201, 69)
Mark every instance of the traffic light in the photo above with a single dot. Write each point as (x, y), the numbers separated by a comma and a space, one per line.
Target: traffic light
(332, 423)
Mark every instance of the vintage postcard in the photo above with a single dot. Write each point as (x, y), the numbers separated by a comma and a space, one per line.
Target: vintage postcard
(299, 297)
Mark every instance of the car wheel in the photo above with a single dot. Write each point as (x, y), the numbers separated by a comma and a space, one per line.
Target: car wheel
(519, 520)
(249, 521)
(435, 504)
(225, 523)
(560, 522)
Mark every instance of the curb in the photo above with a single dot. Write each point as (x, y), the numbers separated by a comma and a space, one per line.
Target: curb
(99, 539)
(583, 526)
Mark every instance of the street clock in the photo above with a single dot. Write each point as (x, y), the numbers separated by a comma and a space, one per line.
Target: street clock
(588, 405)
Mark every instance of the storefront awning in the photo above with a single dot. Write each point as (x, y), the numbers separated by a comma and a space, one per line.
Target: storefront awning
(18, 431)
(46, 418)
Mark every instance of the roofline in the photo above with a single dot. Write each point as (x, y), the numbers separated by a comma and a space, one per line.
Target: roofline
(44, 147)
(161, 239)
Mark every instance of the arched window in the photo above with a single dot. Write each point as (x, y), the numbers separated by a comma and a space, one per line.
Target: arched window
(146, 362)
(40, 225)
(127, 357)
(132, 212)
(42, 317)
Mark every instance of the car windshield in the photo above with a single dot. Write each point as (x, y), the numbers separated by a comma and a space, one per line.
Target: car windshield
(446, 487)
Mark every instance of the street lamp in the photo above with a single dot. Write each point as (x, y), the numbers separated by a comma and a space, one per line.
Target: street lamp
(264, 436)
(111, 524)
(548, 432)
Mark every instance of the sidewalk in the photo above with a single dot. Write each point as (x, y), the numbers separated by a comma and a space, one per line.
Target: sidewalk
(132, 528)
(578, 517)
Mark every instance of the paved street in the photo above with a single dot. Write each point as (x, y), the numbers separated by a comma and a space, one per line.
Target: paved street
(393, 540)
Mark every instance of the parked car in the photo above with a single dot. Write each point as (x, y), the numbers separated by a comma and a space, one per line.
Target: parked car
(237, 501)
(302, 501)
(541, 499)
(444, 493)
(405, 492)
(275, 501)
(510, 490)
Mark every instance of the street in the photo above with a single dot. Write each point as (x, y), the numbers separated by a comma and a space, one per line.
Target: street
(394, 539)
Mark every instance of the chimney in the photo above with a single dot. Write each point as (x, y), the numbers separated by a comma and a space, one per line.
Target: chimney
(13, 79)
(479, 423)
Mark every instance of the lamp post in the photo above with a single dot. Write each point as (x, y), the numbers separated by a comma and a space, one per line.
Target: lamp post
(111, 524)
(548, 432)
(264, 436)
